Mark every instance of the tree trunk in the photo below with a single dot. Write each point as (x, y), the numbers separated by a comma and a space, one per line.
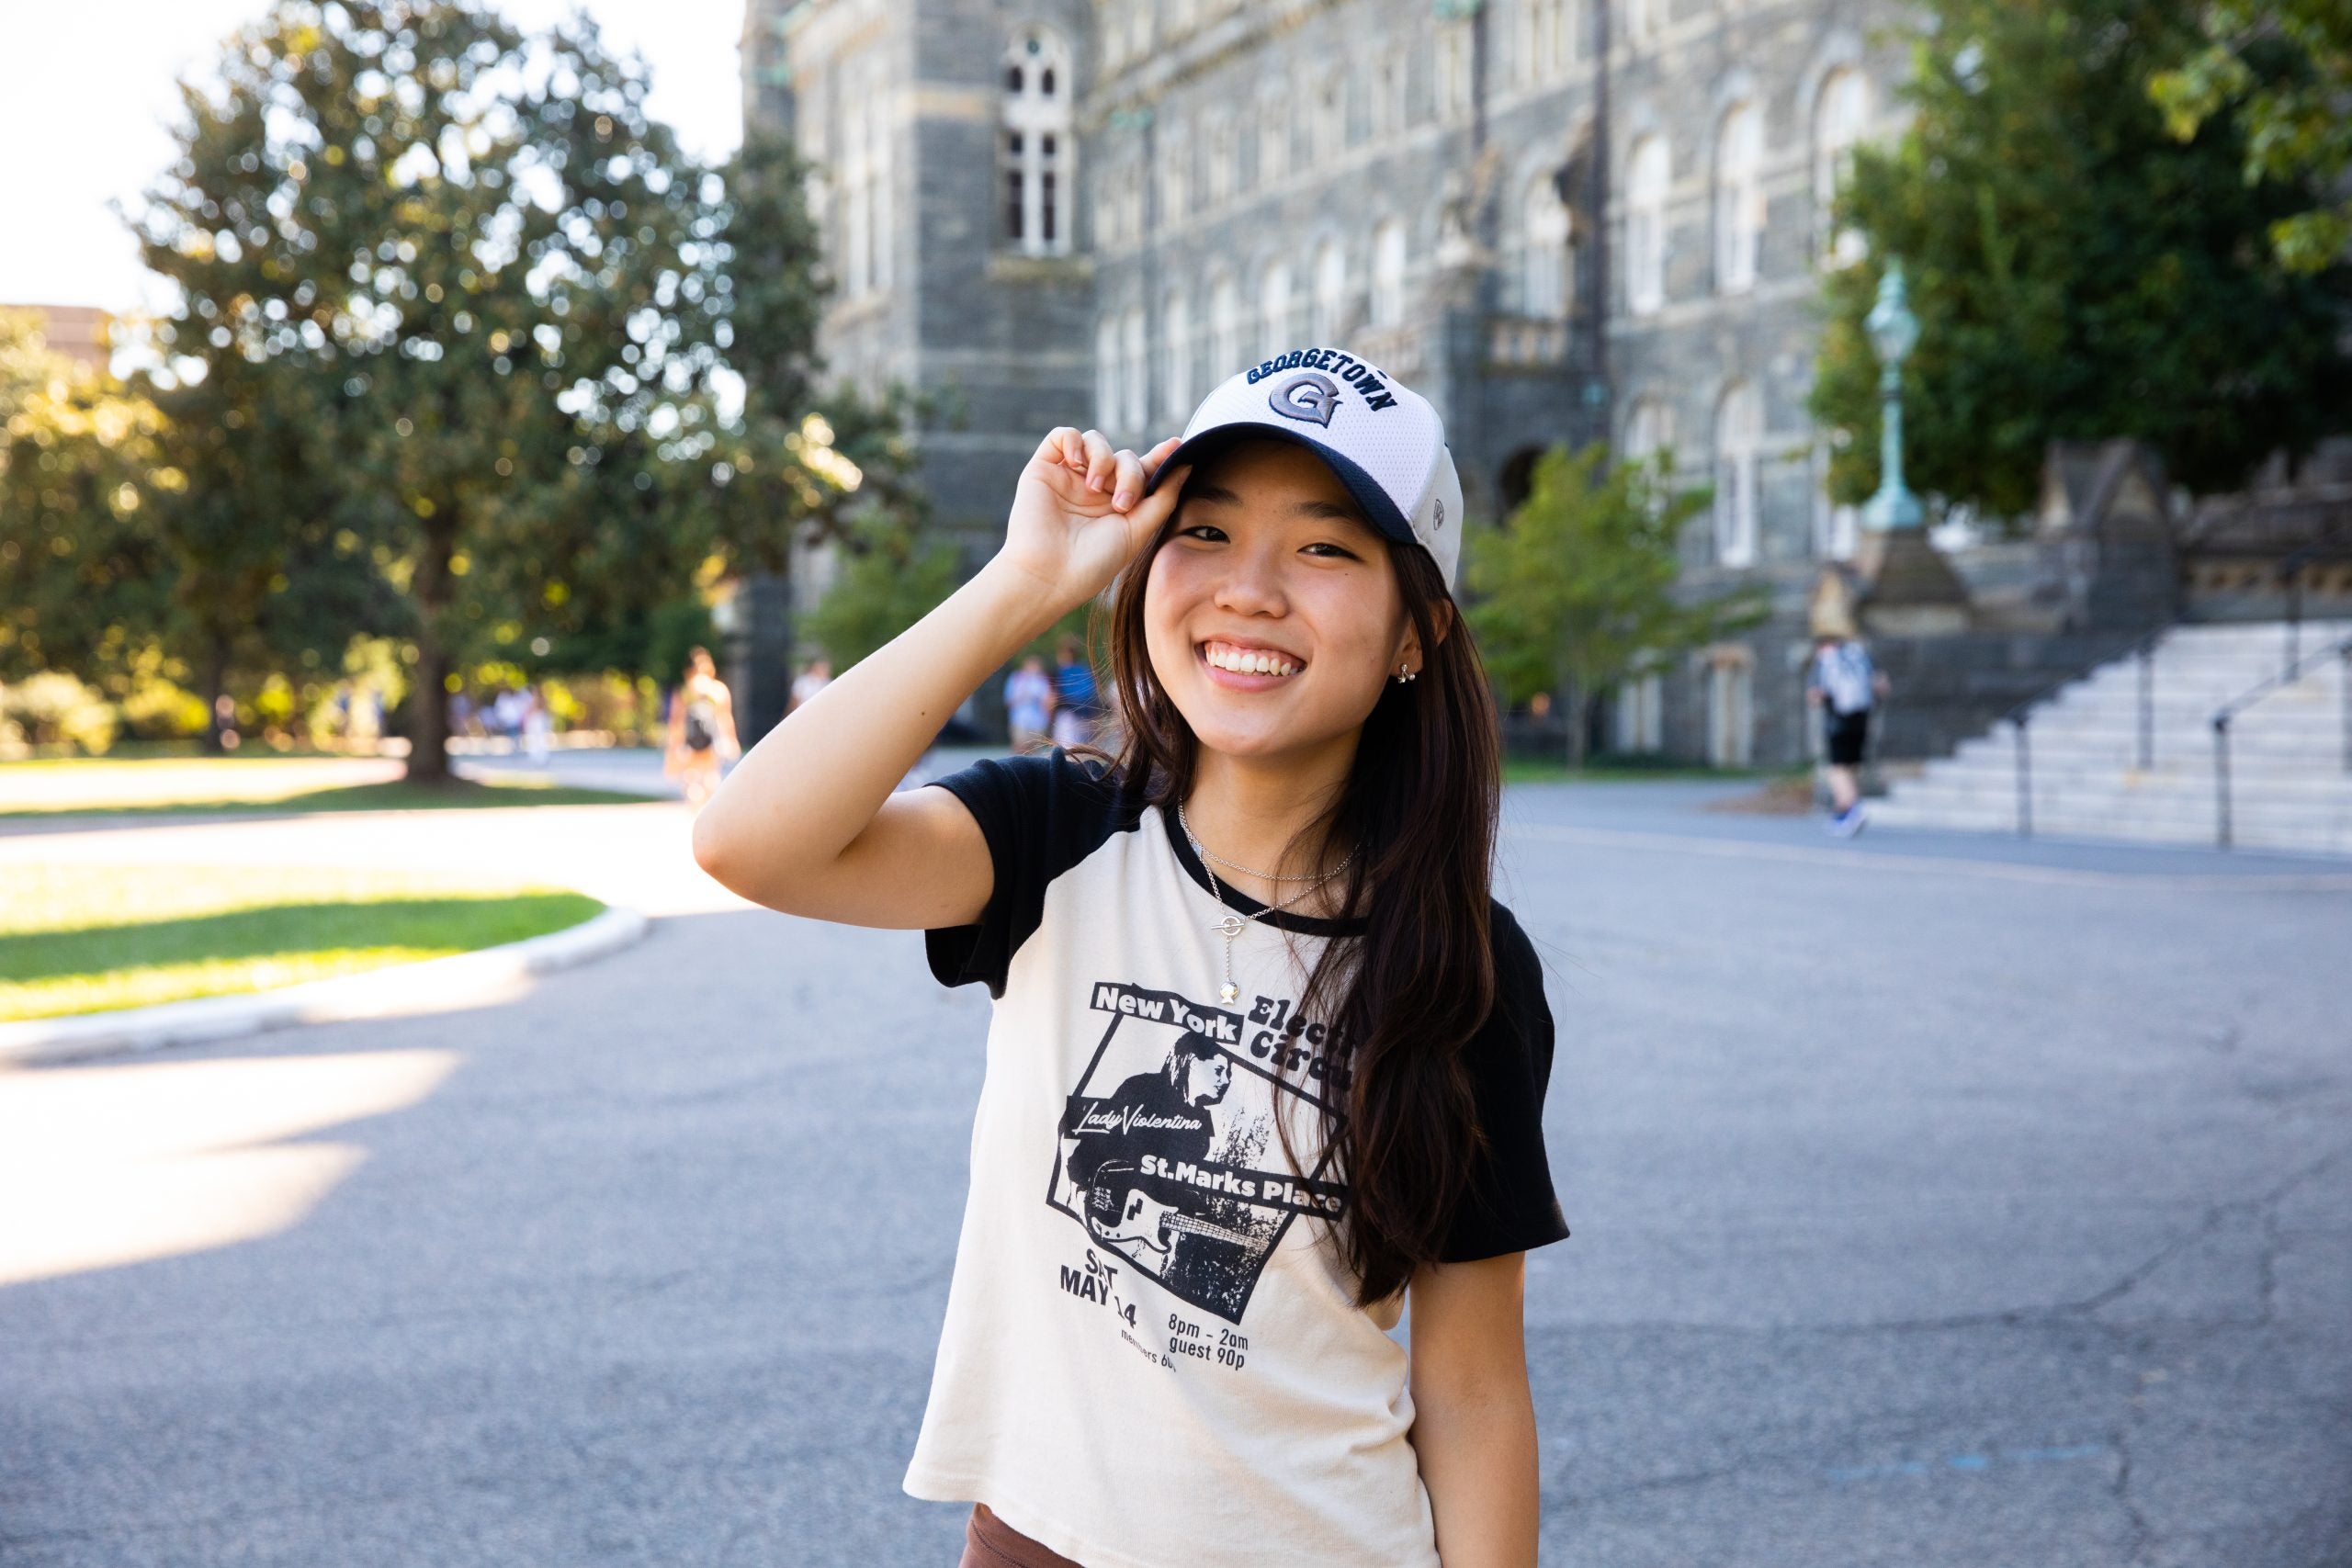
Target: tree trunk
(216, 686)
(428, 702)
(1574, 710)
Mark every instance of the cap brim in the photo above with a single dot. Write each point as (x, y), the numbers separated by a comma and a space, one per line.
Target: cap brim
(1379, 507)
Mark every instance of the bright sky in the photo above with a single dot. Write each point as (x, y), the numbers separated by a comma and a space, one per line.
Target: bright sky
(86, 95)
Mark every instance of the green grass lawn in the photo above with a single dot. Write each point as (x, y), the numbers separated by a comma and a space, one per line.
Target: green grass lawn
(1530, 770)
(109, 786)
(79, 939)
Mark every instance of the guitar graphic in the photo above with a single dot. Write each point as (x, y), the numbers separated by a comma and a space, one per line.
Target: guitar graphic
(1118, 1211)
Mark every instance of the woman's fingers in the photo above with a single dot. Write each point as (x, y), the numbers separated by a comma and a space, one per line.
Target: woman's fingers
(1153, 510)
(1126, 487)
(1159, 455)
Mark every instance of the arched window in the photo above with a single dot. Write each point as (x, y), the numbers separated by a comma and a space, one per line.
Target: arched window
(1135, 366)
(1106, 372)
(1840, 121)
(1739, 199)
(1176, 357)
(1739, 441)
(1326, 124)
(1543, 250)
(1649, 430)
(1225, 329)
(1388, 274)
(1647, 182)
(1037, 149)
(1329, 319)
(1273, 133)
(1453, 70)
(1273, 308)
(1175, 156)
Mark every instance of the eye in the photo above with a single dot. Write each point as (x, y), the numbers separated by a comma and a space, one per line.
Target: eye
(1331, 551)
(1207, 533)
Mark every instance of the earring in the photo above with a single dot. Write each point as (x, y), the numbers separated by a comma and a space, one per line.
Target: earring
(1405, 672)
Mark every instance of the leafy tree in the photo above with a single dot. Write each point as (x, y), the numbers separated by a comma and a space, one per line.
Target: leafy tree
(892, 574)
(497, 277)
(1575, 591)
(84, 581)
(2286, 67)
(2078, 272)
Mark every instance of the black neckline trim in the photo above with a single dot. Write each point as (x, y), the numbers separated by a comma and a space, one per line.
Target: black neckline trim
(1232, 898)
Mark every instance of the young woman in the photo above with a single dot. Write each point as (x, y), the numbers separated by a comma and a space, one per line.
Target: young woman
(1267, 1063)
(702, 729)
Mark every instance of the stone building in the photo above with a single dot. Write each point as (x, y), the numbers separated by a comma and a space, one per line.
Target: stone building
(1049, 211)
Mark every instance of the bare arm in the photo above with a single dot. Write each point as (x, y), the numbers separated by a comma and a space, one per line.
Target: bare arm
(1474, 1420)
(806, 823)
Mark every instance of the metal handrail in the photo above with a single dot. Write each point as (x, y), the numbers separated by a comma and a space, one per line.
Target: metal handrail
(2143, 649)
(2228, 712)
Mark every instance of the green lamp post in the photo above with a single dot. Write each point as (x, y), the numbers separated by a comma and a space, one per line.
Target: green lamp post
(1894, 333)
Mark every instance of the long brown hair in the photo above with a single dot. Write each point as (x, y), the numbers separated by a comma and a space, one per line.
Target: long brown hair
(1402, 998)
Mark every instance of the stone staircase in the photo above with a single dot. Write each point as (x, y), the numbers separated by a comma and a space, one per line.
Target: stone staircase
(2290, 789)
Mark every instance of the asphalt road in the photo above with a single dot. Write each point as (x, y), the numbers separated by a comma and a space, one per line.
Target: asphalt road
(1937, 1201)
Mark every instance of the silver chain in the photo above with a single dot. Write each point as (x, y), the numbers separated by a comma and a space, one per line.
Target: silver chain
(1235, 921)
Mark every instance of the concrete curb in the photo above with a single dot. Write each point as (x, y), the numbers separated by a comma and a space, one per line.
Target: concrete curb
(377, 993)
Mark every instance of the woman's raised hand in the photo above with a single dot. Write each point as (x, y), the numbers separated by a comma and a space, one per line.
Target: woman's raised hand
(1079, 514)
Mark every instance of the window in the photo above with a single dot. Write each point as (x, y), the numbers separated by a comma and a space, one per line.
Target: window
(1837, 525)
(1106, 373)
(1329, 319)
(1543, 251)
(1388, 274)
(1739, 199)
(1135, 373)
(1176, 357)
(1541, 41)
(1223, 155)
(1327, 125)
(1731, 708)
(1175, 154)
(1646, 185)
(1839, 122)
(1648, 431)
(1036, 145)
(1641, 715)
(1453, 70)
(1740, 440)
(1273, 308)
(1273, 134)
(1388, 116)
(864, 217)
(1225, 329)
(1645, 20)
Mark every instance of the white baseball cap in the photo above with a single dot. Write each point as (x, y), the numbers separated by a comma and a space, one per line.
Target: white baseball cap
(1382, 439)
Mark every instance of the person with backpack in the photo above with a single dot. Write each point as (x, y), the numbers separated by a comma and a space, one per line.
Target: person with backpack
(1268, 1061)
(1846, 686)
(702, 729)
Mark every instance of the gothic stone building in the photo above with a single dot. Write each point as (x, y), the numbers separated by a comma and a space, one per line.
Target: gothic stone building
(1051, 211)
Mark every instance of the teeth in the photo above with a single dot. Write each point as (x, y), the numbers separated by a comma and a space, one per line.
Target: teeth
(1246, 663)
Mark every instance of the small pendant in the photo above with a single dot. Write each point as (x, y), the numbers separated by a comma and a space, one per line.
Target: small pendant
(1229, 992)
(1229, 927)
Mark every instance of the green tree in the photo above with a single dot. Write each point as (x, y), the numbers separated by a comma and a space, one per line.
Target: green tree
(2078, 272)
(1576, 591)
(497, 277)
(2285, 66)
(892, 573)
(85, 582)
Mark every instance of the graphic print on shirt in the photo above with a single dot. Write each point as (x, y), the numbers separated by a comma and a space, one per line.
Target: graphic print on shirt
(1169, 1154)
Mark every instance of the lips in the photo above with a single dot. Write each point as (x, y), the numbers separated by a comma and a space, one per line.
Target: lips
(1240, 659)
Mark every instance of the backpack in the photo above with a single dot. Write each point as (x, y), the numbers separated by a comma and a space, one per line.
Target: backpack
(701, 732)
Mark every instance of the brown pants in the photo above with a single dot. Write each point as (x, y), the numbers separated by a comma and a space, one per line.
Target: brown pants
(990, 1542)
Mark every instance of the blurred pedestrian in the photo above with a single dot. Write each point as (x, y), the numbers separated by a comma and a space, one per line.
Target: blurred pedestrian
(813, 679)
(1846, 686)
(1029, 704)
(536, 725)
(702, 729)
(1076, 703)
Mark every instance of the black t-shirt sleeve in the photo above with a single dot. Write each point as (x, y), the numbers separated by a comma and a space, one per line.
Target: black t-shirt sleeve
(1508, 1204)
(1041, 815)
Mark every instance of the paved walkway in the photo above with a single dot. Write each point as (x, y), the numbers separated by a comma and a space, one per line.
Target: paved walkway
(1937, 1201)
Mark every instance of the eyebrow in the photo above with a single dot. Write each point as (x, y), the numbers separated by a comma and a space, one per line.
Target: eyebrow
(1328, 510)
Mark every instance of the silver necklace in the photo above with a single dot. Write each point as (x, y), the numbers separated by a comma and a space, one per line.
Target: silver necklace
(1235, 922)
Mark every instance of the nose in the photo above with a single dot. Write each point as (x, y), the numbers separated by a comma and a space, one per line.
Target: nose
(1252, 583)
